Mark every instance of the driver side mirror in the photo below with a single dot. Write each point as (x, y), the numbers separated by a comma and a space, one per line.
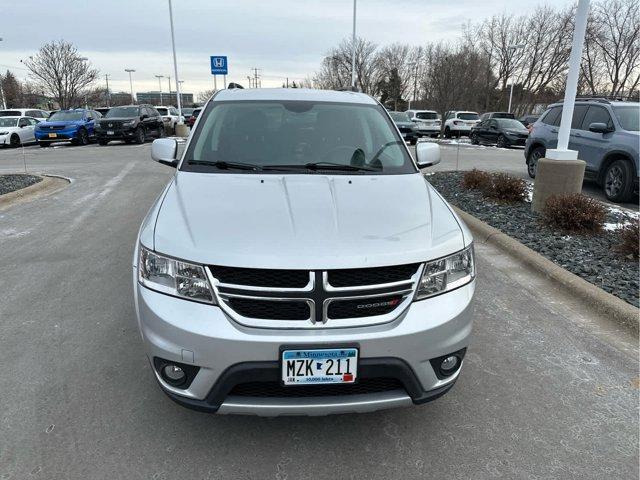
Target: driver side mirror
(165, 151)
(598, 127)
(428, 154)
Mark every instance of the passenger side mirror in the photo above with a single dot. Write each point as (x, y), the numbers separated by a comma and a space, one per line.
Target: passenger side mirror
(598, 127)
(165, 150)
(428, 154)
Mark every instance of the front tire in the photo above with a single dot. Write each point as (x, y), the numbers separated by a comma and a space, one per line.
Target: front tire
(501, 142)
(82, 138)
(474, 138)
(532, 160)
(447, 132)
(618, 181)
(14, 141)
(140, 136)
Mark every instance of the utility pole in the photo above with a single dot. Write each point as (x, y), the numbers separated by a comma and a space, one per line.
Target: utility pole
(249, 79)
(4, 103)
(130, 71)
(512, 49)
(160, 77)
(106, 77)
(169, 78)
(175, 66)
(353, 48)
(256, 77)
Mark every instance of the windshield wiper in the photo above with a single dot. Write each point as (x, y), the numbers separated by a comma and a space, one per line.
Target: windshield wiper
(323, 166)
(384, 147)
(221, 164)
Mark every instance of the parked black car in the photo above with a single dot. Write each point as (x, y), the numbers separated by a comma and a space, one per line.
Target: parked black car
(407, 128)
(504, 132)
(488, 115)
(131, 123)
(529, 120)
(102, 110)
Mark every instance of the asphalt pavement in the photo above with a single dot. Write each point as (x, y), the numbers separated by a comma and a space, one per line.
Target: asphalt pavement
(548, 390)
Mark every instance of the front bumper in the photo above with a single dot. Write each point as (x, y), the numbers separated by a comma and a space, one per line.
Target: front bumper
(67, 135)
(202, 335)
(515, 141)
(119, 134)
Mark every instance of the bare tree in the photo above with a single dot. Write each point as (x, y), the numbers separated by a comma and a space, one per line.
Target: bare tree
(203, 97)
(59, 71)
(335, 70)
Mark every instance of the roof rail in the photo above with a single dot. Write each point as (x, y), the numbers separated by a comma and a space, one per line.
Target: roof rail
(588, 99)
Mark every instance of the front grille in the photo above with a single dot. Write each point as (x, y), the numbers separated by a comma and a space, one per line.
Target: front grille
(275, 389)
(371, 276)
(256, 277)
(363, 307)
(57, 127)
(270, 309)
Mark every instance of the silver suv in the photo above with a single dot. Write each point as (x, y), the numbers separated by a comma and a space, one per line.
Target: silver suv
(299, 263)
(605, 135)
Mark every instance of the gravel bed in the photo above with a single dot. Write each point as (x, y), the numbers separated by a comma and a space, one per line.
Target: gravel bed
(11, 183)
(591, 257)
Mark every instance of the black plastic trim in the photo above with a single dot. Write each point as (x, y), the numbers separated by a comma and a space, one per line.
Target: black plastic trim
(435, 364)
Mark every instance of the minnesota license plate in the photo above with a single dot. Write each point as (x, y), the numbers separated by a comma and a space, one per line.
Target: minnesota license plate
(321, 366)
(53, 135)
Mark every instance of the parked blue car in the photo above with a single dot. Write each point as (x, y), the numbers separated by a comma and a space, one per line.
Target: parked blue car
(74, 126)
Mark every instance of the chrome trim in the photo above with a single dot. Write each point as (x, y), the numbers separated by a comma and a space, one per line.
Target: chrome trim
(313, 406)
(329, 288)
(372, 319)
(307, 288)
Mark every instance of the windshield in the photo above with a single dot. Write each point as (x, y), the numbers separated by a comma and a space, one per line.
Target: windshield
(399, 117)
(427, 115)
(162, 111)
(196, 112)
(509, 123)
(122, 112)
(293, 135)
(66, 117)
(10, 113)
(628, 116)
(187, 111)
(468, 116)
(9, 122)
(502, 115)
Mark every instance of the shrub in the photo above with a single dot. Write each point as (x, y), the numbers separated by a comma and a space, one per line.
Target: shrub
(629, 236)
(506, 188)
(574, 213)
(476, 180)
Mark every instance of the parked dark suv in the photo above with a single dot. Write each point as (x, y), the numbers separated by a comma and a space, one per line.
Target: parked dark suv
(131, 123)
(605, 134)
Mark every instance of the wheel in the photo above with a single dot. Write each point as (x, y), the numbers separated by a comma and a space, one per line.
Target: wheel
(474, 138)
(502, 142)
(14, 141)
(82, 138)
(102, 142)
(44, 144)
(618, 181)
(447, 132)
(140, 136)
(532, 160)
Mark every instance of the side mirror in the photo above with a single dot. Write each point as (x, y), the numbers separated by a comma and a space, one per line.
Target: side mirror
(428, 154)
(144, 116)
(165, 150)
(598, 127)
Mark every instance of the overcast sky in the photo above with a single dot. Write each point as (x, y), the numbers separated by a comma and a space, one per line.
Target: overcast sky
(284, 38)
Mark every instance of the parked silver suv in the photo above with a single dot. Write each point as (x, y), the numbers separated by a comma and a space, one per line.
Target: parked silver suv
(605, 135)
(299, 263)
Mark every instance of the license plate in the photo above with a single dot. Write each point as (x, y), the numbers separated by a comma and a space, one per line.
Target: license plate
(314, 367)
(53, 135)
(110, 132)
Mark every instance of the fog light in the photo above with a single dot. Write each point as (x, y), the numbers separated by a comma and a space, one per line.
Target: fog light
(449, 363)
(174, 374)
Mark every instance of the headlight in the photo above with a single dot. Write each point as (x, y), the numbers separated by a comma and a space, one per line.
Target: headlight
(447, 273)
(173, 277)
(130, 123)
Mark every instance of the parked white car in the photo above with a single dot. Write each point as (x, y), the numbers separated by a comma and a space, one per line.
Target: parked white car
(16, 131)
(459, 123)
(25, 112)
(427, 122)
(170, 116)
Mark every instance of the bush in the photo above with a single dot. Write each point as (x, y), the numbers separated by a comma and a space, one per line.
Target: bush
(629, 236)
(506, 188)
(476, 180)
(574, 213)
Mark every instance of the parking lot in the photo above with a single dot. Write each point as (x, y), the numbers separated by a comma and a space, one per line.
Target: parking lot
(549, 389)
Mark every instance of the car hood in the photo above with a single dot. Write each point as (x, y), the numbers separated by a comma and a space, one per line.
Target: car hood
(303, 221)
(9, 129)
(61, 123)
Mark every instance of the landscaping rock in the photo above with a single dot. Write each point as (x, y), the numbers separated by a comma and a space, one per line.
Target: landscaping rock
(13, 182)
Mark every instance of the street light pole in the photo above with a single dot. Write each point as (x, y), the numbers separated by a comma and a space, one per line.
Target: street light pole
(353, 48)
(512, 48)
(160, 77)
(106, 77)
(130, 71)
(175, 65)
(4, 103)
(86, 103)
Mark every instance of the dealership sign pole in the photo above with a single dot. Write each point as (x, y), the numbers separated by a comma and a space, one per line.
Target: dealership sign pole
(219, 66)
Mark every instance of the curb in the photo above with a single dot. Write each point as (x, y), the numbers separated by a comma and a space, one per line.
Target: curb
(48, 184)
(603, 302)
